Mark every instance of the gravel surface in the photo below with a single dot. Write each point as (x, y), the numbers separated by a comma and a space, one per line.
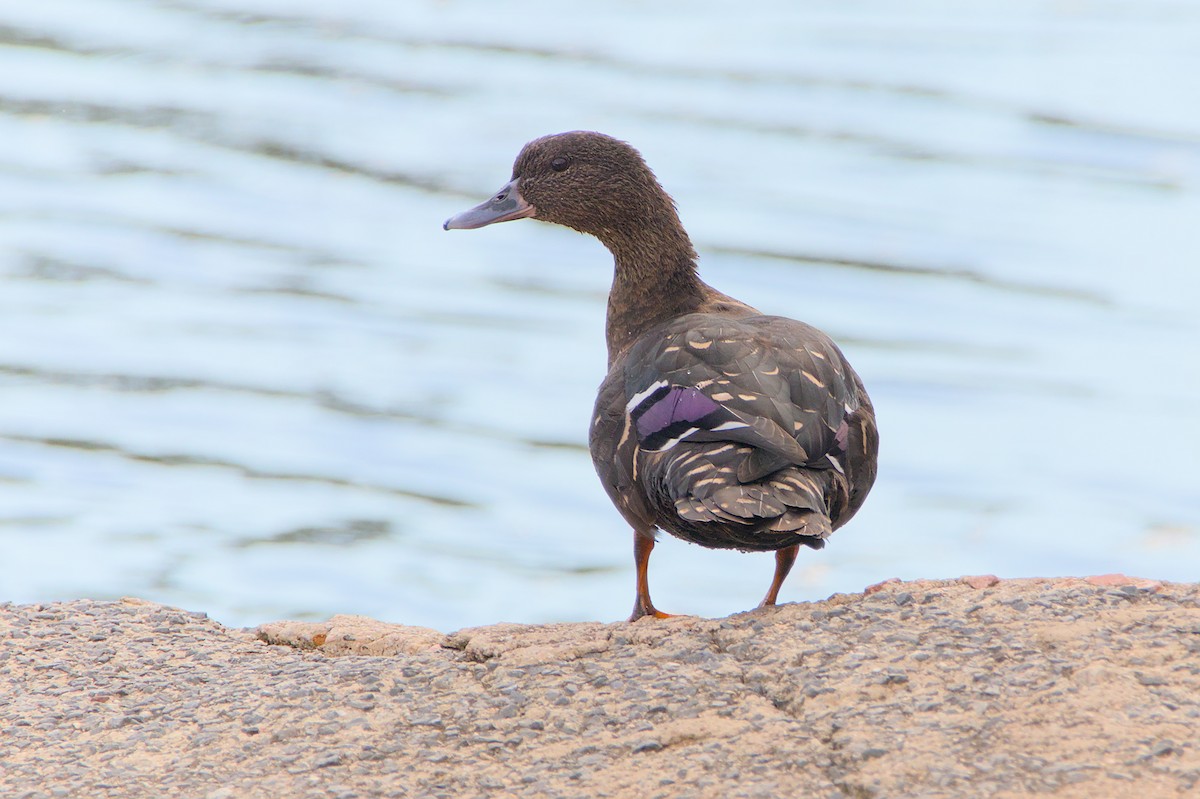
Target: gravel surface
(973, 687)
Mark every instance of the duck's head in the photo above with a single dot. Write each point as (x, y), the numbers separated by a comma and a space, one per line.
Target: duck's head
(587, 181)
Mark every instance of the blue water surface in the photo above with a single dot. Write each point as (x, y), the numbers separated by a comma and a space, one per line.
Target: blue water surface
(243, 369)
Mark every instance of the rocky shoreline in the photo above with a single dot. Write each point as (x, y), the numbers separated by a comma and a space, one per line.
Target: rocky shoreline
(1075, 687)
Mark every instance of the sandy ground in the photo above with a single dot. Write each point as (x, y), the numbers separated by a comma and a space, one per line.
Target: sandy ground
(964, 688)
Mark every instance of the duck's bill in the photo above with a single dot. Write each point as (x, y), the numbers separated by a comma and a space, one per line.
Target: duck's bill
(504, 205)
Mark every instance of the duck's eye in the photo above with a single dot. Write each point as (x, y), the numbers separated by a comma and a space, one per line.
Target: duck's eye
(560, 163)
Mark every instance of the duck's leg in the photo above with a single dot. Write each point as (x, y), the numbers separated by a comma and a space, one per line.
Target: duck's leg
(643, 545)
(784, 558)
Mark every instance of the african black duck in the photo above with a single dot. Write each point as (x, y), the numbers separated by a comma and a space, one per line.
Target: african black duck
(715, 423)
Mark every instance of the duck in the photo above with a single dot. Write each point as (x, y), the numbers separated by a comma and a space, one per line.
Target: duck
(715, 423)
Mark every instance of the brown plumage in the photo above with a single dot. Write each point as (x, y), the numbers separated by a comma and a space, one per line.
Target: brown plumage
(715, 423)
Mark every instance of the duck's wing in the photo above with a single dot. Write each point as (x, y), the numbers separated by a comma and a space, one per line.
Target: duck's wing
(713, 406)
(776, 384)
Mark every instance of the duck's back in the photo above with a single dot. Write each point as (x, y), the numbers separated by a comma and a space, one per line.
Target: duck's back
(747, 432)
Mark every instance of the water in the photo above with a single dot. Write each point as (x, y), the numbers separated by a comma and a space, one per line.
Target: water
(244, 370)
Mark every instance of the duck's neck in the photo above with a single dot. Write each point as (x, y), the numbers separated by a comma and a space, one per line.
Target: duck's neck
(654, 280)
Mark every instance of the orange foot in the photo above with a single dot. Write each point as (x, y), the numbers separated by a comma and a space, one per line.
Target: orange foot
(646, 608)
